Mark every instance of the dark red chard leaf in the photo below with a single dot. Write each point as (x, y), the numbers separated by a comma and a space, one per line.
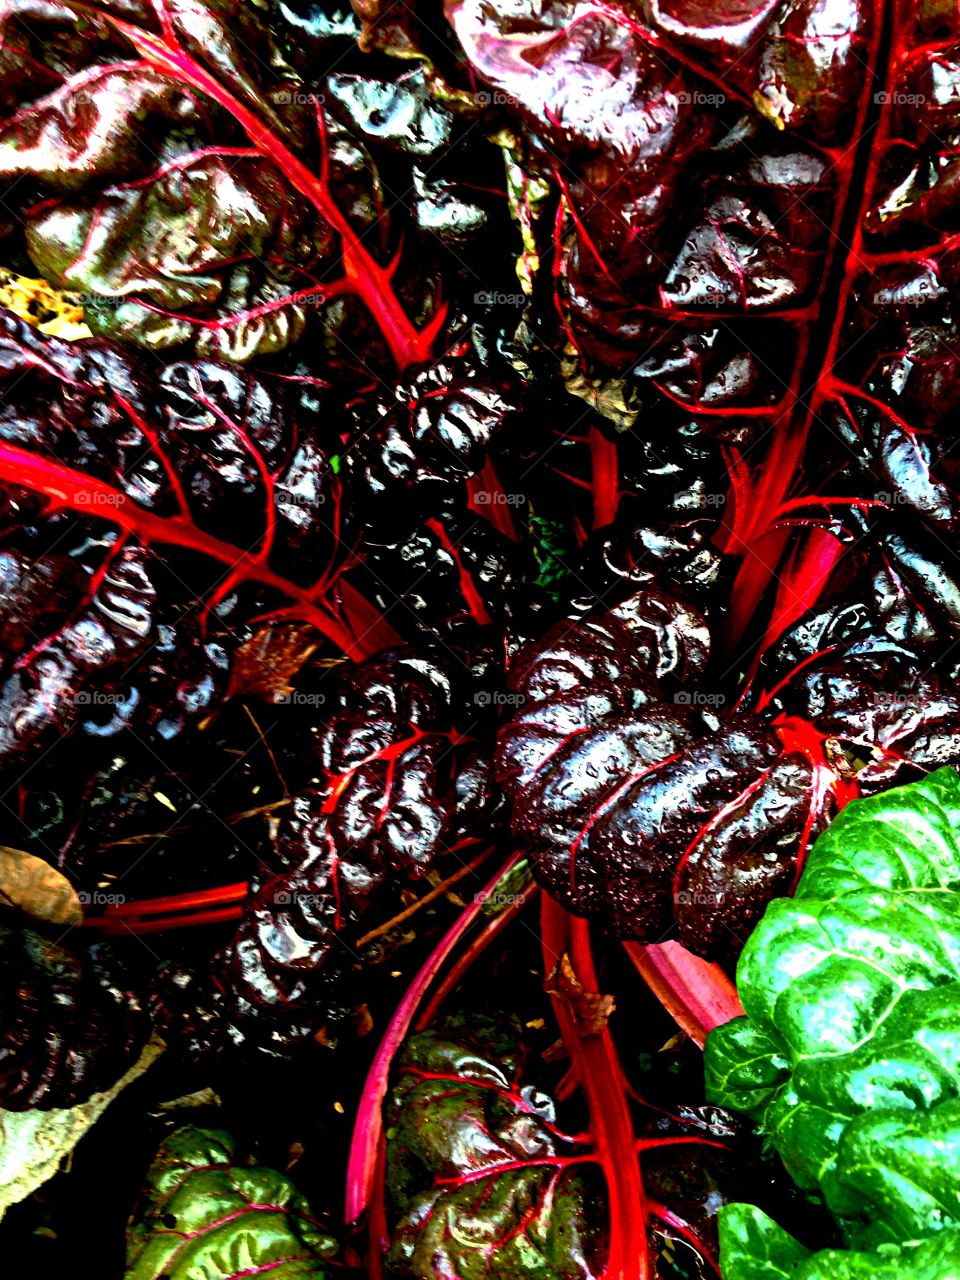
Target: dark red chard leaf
(674, 553)
(435, 431)
(879, 706)
(153, 514)
(651, 637)
(35, 594)
(631, 111)
(663, 532)
(453, 575)
(246, 212)
(402, 786)
(902, 441)
(68, 1030)
(621, 510)
(647, 800)
(195, 442)
(408, 117)
(755, 229)
(914, 587)
(114, 656)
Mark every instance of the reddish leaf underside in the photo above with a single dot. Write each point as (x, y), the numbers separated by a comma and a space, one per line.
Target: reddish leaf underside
(698, 995)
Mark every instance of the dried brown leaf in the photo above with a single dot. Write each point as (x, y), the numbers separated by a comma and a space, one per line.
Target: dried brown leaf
(37, 888)
(264, 665)
(592, 1009)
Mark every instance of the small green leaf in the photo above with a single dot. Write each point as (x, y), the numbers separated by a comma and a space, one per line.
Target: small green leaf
(550, 543)
(207, 1216)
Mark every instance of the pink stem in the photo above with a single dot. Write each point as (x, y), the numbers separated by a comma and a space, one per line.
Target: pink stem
(697, 995)
(362, 1163)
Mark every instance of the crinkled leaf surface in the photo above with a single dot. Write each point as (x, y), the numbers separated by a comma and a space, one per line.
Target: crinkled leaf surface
(849, 1054)
(756, 230)
(68, 1028)
(645, 799)
(207, 1213)
(401, 786)
(188, 182)
(475, 1169)
(153, 510)
(485, 1182)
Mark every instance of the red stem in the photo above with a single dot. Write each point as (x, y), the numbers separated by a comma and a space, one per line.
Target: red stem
(158, 915)
(605, 478)
(78, 492)
(762, 496)
(118, 926)
(595, 1062)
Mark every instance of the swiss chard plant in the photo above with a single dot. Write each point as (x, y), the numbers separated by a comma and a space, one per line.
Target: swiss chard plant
(483, 1179)
(456, 456)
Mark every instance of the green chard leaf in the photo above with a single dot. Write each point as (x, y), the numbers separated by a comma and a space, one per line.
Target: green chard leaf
(849, 1055)
(753, 1247)
(208, 1216)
